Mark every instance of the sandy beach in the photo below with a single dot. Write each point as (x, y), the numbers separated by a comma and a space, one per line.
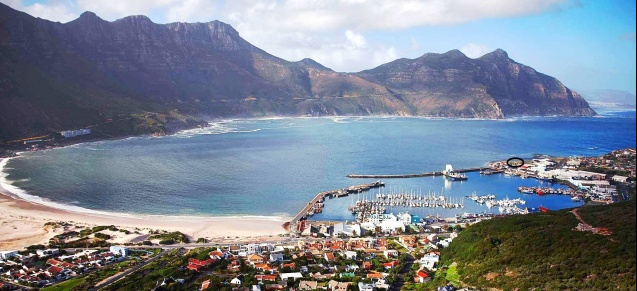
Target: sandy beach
(22, 224)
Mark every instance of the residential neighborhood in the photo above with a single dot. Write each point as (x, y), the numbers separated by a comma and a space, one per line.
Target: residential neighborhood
(354, 263)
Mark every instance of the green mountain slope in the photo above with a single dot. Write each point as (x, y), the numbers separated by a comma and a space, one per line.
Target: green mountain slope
(543, 251)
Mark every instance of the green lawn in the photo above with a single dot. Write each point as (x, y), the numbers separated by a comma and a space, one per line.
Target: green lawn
(452, 275)
(66, 285)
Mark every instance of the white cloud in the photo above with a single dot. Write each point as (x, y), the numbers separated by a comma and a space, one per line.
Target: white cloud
(474, 50)
(357, 40)
(61, 11)
(191, 11)
(332, 32)
(414, 45)
(321, 15)
(116, 9)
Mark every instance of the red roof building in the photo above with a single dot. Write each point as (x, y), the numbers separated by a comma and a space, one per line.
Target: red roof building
(196, 265)
(205, 285)
(421, 277)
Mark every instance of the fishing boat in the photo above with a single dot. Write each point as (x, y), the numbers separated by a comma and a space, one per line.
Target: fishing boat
(453, 175)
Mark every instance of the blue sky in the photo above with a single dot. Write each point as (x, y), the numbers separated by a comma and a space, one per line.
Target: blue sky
(585, 44)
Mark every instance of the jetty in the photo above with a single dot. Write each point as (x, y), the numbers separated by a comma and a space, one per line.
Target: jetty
(316, 204)
(419, 175)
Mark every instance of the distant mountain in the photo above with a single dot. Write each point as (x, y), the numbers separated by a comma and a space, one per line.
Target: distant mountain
(493, 86)
(609, 98)
(156, 77)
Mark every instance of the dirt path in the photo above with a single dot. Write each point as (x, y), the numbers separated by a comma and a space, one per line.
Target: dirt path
(584, 226)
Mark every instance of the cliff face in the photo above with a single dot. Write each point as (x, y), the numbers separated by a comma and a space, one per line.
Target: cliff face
(493, 86)
(56, 76)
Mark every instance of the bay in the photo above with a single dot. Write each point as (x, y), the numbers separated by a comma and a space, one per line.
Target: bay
(272, 167)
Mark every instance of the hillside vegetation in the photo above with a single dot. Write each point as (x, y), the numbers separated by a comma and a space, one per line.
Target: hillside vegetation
(543, 251)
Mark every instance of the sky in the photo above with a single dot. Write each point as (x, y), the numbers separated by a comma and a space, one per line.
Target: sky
(586, 44)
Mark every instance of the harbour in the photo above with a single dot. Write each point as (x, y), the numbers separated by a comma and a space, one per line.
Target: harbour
(417, 175)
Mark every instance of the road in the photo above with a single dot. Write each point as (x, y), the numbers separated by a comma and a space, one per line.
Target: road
(121, 275)
(400, 281)
(16, 286)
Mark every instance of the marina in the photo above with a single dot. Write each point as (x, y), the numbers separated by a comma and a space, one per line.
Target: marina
(317, 203)
(364, 208)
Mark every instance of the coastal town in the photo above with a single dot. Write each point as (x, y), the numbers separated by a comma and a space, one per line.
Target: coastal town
(386, 251)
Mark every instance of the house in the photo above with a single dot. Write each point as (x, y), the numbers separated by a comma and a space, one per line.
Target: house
(275, 287)
(408, 240)
(429, 261)
(237, 280)
(8, 254)
(269, 278)
(235, 249)
(390, 253)
(217, 255)
(276, 258)
(347, 275)
(405, 218)
(255, 259)
(289, 265)
(375, 275)
(54, 271)
(47, 252)
(337, 286)
(445, 242)
(352, 268)
(351, 255)
(329, 257)
(119, 250)
(621, 179)
(265, 268)
(346, 229)
(382, 284)
(205, 285)
(308, 285)
(256, 288)
(365, 287)
(197, 265)
(295, 276)
(421, 277)
(391, 265)
(252, 248)
(367, 265)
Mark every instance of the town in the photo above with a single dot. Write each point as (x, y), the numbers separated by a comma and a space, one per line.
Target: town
(386, 252)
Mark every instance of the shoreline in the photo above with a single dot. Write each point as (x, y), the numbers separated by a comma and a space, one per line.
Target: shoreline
(23, 223)
(66, 143)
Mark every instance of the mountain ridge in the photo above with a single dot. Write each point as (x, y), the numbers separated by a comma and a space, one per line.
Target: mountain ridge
(77, 74)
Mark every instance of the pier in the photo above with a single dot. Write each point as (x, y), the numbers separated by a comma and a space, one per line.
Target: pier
(316, 204)
(427, 174)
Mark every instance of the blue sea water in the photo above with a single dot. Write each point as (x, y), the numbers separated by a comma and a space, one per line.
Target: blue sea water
(272, 167)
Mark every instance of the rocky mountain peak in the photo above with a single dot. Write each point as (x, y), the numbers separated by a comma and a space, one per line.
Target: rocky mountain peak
(498, 54)
(136, 19)
(455, 53)
(310, 63)
(88, 15)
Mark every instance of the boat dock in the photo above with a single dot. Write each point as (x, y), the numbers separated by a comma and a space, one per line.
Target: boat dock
(427, 174)
(316, 204)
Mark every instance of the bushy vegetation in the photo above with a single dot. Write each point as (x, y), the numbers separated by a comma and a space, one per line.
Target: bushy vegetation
(170, 238)
(543, 251)
(147, 278)
(86, 282)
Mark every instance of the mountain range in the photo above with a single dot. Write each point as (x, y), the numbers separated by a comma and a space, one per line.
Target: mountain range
(609, 98)
(89, 72)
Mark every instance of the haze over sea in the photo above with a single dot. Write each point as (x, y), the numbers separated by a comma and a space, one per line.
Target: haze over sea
(272, 167)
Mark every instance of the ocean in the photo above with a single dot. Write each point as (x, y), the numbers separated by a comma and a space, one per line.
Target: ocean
(273, 167)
